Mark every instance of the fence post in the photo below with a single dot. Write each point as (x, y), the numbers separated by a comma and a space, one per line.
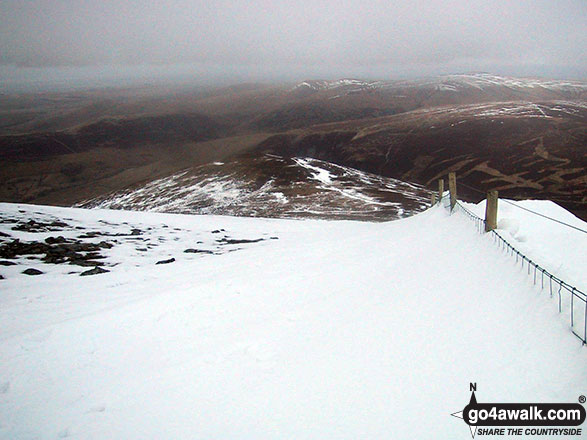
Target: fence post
(452, 187)
(432, 199)
(491, 211)
(440, 189)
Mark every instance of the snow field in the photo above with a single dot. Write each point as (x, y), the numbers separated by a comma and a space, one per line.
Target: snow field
(336, 330)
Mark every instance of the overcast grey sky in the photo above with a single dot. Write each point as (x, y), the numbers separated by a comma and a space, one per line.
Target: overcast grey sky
(263, 39)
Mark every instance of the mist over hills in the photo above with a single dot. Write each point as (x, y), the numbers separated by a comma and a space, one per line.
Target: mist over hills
(524, 137)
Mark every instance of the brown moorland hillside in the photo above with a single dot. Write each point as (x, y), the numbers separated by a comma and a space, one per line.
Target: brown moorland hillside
(524, 137)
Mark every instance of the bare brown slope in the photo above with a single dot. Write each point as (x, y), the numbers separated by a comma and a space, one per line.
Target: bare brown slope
(66, 179)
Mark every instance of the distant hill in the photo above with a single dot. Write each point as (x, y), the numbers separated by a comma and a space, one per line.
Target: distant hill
(273, 186)
(524, 137)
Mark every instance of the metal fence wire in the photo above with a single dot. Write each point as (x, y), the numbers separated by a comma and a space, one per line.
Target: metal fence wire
(567, 295)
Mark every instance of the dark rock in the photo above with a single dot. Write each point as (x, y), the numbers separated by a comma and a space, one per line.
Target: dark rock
(216, 231)
(58, 250)
(38, 248)
(81, 247)
(58, 224)
(54, 240)
(3, 234)
(135, 231)
(197, 251)
(53, 259)
(84, 263)
(93, 256)
(91, 234)
(31, 271)
(95, 271)
(1, 277)
(15, 247)
(35, 226)
(7, 263)
(105, 245)
(142, 249)
(171, 260)
(273, 238)
(236, 241)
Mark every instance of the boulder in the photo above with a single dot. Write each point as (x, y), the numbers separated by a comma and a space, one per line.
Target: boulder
(32, 271)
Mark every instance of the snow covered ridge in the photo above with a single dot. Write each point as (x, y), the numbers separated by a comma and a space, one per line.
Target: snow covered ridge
(273, 186)
(328, 85)
(327, 332)
(484, 80)
(450, 83)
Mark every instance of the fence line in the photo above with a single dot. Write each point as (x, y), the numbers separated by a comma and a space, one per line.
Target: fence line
(574, 293)
(525, 209)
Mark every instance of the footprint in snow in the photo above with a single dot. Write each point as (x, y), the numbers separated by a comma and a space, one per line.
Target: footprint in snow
(260, 353)
(41, 336)
(4, 387)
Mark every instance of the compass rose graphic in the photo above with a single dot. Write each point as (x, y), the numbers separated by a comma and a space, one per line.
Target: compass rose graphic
(459, 414)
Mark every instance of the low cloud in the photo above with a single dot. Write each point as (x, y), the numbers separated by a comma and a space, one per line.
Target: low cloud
(281, 39)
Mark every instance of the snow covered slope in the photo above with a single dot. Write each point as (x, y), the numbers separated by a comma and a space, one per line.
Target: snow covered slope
(560, 249)
(274, 186)
(329, 330)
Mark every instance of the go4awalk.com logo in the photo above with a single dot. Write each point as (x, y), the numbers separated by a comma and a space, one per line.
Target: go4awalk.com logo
(521, 419)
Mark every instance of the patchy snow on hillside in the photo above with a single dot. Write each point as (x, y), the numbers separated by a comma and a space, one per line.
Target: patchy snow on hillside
(298, 329)
(319, 174)
(274, 186)
(507, 110)
(450, 83)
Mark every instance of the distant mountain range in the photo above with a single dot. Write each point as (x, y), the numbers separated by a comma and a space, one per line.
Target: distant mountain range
(525, 137)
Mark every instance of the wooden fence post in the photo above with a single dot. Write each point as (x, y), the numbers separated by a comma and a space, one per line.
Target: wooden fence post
(433, 199)
(440, 189)
(452, 187)
(491, 211)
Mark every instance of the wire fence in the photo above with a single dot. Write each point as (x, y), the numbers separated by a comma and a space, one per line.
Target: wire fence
(570, 299)
(525, 209)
